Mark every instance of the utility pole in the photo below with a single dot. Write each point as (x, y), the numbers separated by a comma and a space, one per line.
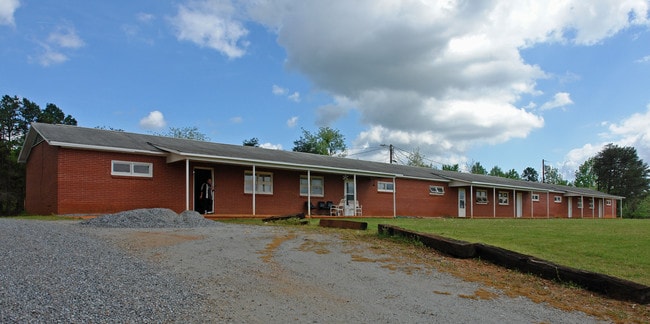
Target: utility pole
(390, 151)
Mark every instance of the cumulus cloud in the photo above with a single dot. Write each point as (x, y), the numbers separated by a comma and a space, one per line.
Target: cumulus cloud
(292, 122)
(154, 121)
(58, 44)
(644, 59)
(7, 9)
(632, 131)
(280, 91)
(560, 99)
(211, 24)
(271, 146)
(236, 120)
(442, 76)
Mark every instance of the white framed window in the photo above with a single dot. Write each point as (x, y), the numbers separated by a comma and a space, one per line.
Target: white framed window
(557, 199)
(385, 186)
(481, 197)
(263, 182)
(534, 197)
(503, 198)
(131, 169)
(436, 190)
(608, 202)
(579, 203)
(317, 186)
(591, 203)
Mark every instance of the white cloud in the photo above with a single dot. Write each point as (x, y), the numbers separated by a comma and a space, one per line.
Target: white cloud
(561, 99)
(154, 121)
(65, 37)
(237, 120)
(211, 24)
(644, 59)
(7, 9)
(278, 90)
(631, 132)
(57, 46)
(295, 97)
(292, 122)
(443, 76)
(271, 146)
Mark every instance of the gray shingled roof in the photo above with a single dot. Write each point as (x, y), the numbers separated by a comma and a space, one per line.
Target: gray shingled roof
(181, 149)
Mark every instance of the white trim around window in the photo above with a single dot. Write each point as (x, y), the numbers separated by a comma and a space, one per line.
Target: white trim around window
(385, 186)
(504, 198)
(131, 169)
(263, 182)
(534, 197)
(557, 199)
(317, 186)
(436, 190)
(481, 197)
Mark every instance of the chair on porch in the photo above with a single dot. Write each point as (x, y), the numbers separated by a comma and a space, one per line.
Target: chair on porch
(358, 209)
(337, 210)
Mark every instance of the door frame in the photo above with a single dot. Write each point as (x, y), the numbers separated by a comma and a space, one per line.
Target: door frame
(201, 174)
(462, 203)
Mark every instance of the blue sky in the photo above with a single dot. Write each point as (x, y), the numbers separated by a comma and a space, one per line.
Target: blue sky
(504, 83)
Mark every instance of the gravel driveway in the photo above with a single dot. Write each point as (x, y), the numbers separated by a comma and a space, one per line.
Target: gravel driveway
(64, 272)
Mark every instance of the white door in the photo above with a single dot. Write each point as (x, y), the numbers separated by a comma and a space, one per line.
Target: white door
(519, 204)
(348, 209)
(461, 202)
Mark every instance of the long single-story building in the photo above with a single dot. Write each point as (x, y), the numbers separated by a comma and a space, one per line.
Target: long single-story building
(77, 170)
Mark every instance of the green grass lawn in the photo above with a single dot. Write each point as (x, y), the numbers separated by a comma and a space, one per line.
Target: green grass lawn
(617, 247)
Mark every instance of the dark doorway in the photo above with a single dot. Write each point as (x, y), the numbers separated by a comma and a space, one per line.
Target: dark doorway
(200, 177)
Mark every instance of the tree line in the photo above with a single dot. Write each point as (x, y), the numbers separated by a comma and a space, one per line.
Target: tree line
(614, 170)
(16, 114)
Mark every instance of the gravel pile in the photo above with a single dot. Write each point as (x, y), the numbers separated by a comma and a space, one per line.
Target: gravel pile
(58, 272)
(150, 218)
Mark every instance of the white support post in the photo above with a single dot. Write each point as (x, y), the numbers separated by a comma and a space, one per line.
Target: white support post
(187, 184)
(254, 188)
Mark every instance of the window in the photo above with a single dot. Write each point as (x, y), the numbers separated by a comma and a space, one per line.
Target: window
(503, 198)
(534, 197)
(481, 197)
(436, 190)
(580, 203)
(317, 186)
(384, 186)
(591, 203)
(131, 169)
(263, 182)
(608, 202)
(557, 199)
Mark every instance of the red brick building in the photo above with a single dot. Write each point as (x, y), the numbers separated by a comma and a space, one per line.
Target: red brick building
(76, 170)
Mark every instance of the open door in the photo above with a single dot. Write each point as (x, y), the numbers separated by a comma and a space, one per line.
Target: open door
(201, 175)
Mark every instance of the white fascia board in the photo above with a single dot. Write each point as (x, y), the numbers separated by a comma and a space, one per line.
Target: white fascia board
(178, 156)
(459, 183)
(103, 148)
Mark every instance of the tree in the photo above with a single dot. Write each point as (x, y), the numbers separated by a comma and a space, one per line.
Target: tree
(552, 175)
(185, 132)
(585, 176)
(327, 141)
(252, 142)
(477, 168)
(496, 172)
(15, 117)
(619, 171)
(54, 115)
(450, 167)
(530, 174)
(512, 174)
(417, 159)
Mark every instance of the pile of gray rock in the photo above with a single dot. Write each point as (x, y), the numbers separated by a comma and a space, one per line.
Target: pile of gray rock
(150, 218)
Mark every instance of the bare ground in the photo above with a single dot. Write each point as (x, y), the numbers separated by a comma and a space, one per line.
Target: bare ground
(277, 274)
